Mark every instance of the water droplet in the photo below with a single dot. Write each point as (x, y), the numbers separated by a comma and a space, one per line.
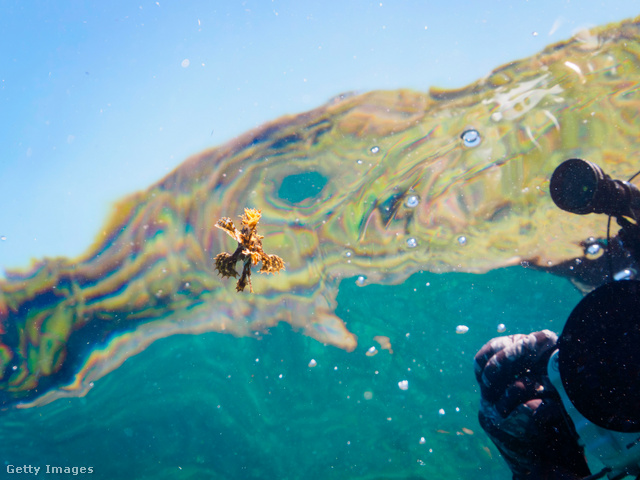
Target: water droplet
(412, 242)
(461, 329)
(375, 149)
(361, 280)
(462, 240)
(470, 138)
(502, 328)
(404, 384)
(412, 201)
(312, 363)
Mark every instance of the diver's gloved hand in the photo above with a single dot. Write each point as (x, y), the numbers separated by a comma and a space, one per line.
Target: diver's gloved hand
(522, 412)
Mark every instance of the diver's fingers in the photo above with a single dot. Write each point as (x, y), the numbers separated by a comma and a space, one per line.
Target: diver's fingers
(522, 391)
(490, 348)
(515, 360)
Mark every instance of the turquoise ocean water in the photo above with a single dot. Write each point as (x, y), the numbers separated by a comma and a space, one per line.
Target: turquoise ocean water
(215, 406)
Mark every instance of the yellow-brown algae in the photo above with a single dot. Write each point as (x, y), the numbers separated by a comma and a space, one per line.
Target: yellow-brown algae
(249, 250)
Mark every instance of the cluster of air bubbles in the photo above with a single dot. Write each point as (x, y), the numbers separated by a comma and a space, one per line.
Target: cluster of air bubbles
(403, 384)
(412, 242)
(470, 138)
(412, 201)
(361, 280)
(462, 240)
(375, 149)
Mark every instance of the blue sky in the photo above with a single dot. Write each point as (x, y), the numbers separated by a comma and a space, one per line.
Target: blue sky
(100, 99)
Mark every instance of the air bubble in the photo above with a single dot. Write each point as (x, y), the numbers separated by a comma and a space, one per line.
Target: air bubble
(3, 238)
(470, 138)
(626, 274)
(462, 240)
(462, 329)
(361, 280)
(312, 363)
(593, 251)
(593, 248)
(502, 328)
(412, 201)
(375, 149)
(403, 385)
(359, 162)
(412, 242)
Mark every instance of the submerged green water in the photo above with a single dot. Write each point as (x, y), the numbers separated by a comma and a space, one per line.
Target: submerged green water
(215, 406)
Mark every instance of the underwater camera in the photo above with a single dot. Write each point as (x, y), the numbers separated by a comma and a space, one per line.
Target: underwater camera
(596, 368)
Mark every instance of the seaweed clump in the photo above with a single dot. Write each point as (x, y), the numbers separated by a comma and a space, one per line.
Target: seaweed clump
(249, 250)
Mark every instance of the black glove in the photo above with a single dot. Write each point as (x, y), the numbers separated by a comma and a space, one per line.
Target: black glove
(522, 412)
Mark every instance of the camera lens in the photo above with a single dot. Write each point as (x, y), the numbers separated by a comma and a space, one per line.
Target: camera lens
(573, 185)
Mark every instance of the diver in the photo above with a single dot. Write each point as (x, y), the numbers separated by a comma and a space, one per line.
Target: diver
(547, 401)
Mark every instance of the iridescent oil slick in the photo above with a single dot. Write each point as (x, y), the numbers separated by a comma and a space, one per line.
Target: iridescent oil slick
(372, 187)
